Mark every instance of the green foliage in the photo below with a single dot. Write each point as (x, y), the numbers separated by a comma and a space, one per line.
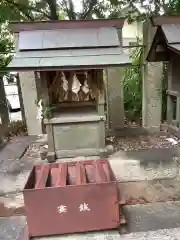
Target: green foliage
(133, 86)
(47, 112)
(174, 7)
(6, 46)
(32, 10)
(46, 109)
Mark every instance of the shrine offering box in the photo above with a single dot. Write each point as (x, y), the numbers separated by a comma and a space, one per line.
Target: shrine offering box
(71, 197)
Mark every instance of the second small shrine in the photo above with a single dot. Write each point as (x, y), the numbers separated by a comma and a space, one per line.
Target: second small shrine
(165, 48)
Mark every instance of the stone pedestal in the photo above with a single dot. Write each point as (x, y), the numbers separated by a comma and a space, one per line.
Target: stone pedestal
(115, 98)
(73, 135)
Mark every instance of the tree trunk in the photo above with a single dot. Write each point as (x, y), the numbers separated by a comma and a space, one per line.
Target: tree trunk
(53, 9)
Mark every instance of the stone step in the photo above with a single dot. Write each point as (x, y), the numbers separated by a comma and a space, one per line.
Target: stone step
(147, 164)
(150, 191)
(146, 156)
(152, 221)
(160, 234)
(12, 228)
(153, 216)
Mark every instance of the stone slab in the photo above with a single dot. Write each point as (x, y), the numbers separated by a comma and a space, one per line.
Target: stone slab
(146, 156)
(145, 164)
(14, 149)
(13, 182)
(13, 167)
(103, 235)
(161, 234)
(150, 191)
(150, 217)
(12, 228)
(88, 152)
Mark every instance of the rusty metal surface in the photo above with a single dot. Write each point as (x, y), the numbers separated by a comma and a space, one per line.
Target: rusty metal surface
(25, 235)
(71, 197)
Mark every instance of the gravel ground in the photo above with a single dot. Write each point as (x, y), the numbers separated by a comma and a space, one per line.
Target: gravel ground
(131, 170)
(143, 142)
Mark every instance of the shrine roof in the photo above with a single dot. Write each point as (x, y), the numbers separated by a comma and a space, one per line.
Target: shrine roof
(65, 24)
(68, 45)
(69, 59)
(166, 38)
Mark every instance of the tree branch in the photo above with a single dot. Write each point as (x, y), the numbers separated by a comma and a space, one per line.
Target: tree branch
(71, 10)
(39, 11)
(20, 9)
(88, 11)
(53, 9)
(66, 9)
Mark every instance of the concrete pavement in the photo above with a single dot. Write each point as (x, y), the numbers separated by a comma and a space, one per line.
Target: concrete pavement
(155, 221)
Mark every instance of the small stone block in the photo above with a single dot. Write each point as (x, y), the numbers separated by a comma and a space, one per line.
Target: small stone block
(122, 202)
(51, 156)
(123, 220)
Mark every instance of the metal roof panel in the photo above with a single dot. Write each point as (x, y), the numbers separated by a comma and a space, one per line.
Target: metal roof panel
(172, 32)
(69, 52)
(174, 47)
(75, 59)
(64, 38)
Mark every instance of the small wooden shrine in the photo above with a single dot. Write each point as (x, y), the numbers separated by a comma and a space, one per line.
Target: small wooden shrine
(166, 47)
(69, 57)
